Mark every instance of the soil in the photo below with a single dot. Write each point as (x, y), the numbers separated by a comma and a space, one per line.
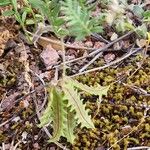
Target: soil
(123, 113)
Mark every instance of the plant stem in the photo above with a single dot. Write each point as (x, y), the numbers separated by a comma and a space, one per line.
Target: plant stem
(64, 59)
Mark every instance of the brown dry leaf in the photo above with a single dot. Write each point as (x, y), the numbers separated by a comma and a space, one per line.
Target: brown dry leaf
(47, 75)
(8, 102)
(126, 129)
(56, 44)
(118, 46)
(77, 44)
(49, 56)
(114, 36)
(109, 57)
(89, 43)
(141, 43)
(36, 146)
(99, 44)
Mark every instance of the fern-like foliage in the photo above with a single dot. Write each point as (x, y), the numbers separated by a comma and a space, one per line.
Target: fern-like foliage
(79, 22)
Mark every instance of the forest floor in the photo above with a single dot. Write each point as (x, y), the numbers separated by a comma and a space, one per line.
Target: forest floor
(122, 121)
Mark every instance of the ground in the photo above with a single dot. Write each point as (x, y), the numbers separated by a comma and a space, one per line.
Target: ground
(122, 118)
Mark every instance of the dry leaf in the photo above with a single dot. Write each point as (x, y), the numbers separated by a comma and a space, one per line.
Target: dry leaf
(8, 102)
(141, 43)
(5, 35)
(55, 43)
(109, 57)
(114, 36)
(89, 44)
(98, 45)
(49, 56)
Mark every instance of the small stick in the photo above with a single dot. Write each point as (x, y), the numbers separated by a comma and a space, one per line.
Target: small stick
(45, 91)
(99, 37)
(98, 50)
(110, 44)
(103, 49)
(2, 124)
(108, 65)
(138, 148)
(96, 57)
(133, 130)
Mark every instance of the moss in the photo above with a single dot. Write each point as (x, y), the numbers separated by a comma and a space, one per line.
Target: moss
(122, 107)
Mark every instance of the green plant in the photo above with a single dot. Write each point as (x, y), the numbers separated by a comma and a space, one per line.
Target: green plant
(19, 17)
(115, 16)
(65, 109)
(65, 17)
(4, 2)
(78, 19)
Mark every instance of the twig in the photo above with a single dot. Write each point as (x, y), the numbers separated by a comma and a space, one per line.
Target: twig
(70, 61)
(138, 90)
(85, 67)
(2, 124)
(108, 65)
(16, 145)
(59, 43)
(99, 37)
(139, 148)
(110, 44)
(45, 91)
(99, 51)
(127, 104)
(3, 146)
(134, 129)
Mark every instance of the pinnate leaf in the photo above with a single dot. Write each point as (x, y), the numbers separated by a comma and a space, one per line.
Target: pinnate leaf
(100, 90)
(74, 100)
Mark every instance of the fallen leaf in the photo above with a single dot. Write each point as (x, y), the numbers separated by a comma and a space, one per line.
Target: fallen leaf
(49, 56)
(114, 36)
(89, 44)
(98, 45)
(109, 57)
(8, 102)
(141, 43)
(36, 146)
(118, 45)
(24, 137)
(55, 43)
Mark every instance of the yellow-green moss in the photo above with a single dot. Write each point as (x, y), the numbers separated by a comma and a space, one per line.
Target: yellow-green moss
(122, 107)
